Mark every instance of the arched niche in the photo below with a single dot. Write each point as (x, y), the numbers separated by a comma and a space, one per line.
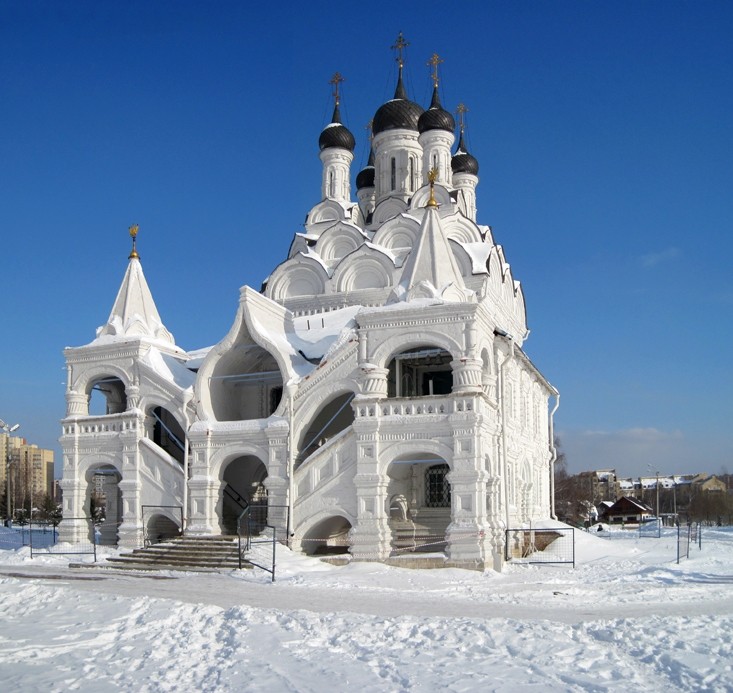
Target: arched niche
(246, 383)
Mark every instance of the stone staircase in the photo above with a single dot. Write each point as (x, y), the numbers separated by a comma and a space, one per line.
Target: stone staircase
(424, 534)
(201, 554)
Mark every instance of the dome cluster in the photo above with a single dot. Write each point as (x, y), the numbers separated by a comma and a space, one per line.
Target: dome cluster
(399, 113)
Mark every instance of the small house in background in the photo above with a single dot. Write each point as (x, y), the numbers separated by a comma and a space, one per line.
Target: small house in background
(627, 510)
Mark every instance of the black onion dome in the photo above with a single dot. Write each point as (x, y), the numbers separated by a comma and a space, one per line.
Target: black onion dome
(399, 113)
(462, 161)
(336, 135)
(436, 117)
(365, 177)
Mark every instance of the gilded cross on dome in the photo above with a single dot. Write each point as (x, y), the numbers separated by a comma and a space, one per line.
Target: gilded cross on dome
(336, 80)
(399, 46)
(461, 110)
(435, 60)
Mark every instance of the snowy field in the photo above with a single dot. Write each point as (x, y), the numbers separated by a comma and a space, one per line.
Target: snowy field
(627, 615)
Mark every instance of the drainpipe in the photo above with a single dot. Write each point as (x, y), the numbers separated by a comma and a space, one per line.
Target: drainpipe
(291, 462)
(553, 457)
(502, 409)
(187, 396)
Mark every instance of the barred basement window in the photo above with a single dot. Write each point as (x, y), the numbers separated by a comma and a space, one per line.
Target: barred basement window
(437, 488)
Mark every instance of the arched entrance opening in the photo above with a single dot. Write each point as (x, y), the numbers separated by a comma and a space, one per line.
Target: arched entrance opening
(160, 528)
(107, 396)
(335, 416)
(420, 372)
(103, 503)
(165, 431)
(419, 498)
(243, 490)
(328, 537)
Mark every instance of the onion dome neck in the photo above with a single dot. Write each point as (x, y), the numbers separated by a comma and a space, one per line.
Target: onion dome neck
(335, 134)
(436, 117)
(365, 177)
(462, 161)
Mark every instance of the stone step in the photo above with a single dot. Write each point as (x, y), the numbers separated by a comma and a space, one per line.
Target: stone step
(122, 561)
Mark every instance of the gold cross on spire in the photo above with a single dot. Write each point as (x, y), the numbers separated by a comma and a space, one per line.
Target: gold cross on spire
(461, 111)
(336, 80)
(435, 60)
(399, 46)
(133, 234)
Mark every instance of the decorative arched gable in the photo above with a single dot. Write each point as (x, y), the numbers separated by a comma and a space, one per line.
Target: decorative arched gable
(337, 241)
(399, 232)
(365, 268)
(387, 209)
(302, 275)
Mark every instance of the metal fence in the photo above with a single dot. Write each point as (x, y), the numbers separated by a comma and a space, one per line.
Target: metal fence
(650, 529)
(92, 536)
(529, 545)
(687, 535)
(257, 538)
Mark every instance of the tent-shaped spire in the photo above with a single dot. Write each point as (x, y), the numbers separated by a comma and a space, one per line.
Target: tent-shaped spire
(134, 313)
(431, 270)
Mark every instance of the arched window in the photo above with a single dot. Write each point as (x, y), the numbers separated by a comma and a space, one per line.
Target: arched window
(437, 488)
(393, 173)
(420, 372)
(331, 184)
(412, 173)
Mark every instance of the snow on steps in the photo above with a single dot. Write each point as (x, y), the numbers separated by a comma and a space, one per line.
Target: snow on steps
(201, 554)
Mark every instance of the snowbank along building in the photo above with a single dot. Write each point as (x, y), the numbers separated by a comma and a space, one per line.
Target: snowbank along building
(374, 393)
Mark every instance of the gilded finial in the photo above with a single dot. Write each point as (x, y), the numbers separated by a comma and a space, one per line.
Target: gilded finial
(399, 46)
(133, 234)
(435, 60)
(370, 128)
(461, 110)
(432, 177)
(336, 80)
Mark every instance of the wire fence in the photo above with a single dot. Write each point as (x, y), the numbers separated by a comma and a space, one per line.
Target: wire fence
(527, 545)
(688, 535)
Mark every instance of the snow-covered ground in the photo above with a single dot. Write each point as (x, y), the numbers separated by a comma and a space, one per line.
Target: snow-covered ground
(627, 616)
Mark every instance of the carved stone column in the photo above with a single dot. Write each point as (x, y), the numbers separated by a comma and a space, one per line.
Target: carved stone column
(467, 375)
(77, 403)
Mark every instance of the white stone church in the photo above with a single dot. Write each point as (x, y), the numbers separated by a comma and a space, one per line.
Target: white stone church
(374, 393)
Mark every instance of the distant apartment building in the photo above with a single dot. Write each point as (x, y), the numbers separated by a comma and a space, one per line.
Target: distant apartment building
(600, 484)
(27, 471)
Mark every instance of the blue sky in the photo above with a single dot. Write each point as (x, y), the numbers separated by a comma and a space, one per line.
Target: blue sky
(602, 129)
